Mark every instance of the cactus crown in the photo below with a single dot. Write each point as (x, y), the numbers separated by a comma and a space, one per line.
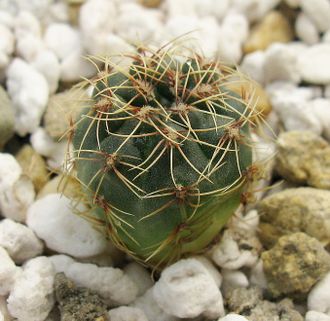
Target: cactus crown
(163, 153)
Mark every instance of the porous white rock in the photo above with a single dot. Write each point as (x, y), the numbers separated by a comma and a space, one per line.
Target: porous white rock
(29, 46)
(112, 284)
(233, 317)
(137, 26)
(314, 64)
(306, 29)
(6, 19)
(36, 7)
(47, 64)
(214, 8)
(127, 314)
(19, 241)
(61, 262)
(9, 272)
(254, 9)
(7, 41)
(4, 310)
(228, 255)
(319, 297)
(316, 316)
(26, 24)
(292, 106)
(257, 275)
(253, 65)
(233, 279)
(58, 12)
(321, 108)
(238, 23)
(201, 34)
(148, 305)
(62, 39)
(16, 190)
(186, 290)
(31, 297)
(180, 8)
(140, 276)
(318, 11)
(281, 64)
(28, 90)
(53, 219)
(97, 19)
(75, 66)
(43, 144)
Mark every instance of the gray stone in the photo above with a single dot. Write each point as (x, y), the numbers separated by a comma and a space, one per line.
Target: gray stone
(303, 209)
(78, 304)
(294, 265)
(304, 158)
(6, 118)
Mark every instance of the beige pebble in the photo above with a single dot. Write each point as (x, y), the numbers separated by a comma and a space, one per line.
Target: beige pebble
(303, 157)
(62, 110)
(33, 166)
(274, 27)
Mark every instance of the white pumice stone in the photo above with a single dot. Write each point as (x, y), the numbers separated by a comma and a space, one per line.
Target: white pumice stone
(53, 219)
(26, 24)
(233, 279)
(9, 272)
(29, 46)
(253, 65)
(186, 290)
(75, 66)
(138, 26)
(112, 284)
(148, 305)
(314, 64)
(180, 8)
(4, 310)
(211, 8)
(46, 146)
(6, 19)
(293, 107)
(36, 7)
(19, 241)
(281, 64)
(327, 91)
(62, 39)
(321, 108)
(31, 297)
(61, 262)
(48, 64)
(7, 42)
(233, 317)
(319, 12)
(306, 29)
(237, 22)
(319, 297)
(228, 255)
(28, 90)
(254, 9)
(316, 316)
(16, 190)
(326, 36)
(293, 3)
(58, 12)
(213, 271)
(140, 276)
(257, 275)
(127, 314)
(97, 16)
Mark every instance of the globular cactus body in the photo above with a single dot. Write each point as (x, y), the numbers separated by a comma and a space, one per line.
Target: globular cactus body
(163, 153)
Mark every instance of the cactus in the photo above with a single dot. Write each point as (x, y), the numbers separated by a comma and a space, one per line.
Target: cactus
(163, 153)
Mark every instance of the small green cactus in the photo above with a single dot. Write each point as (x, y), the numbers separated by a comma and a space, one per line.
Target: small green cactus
(163, 153)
